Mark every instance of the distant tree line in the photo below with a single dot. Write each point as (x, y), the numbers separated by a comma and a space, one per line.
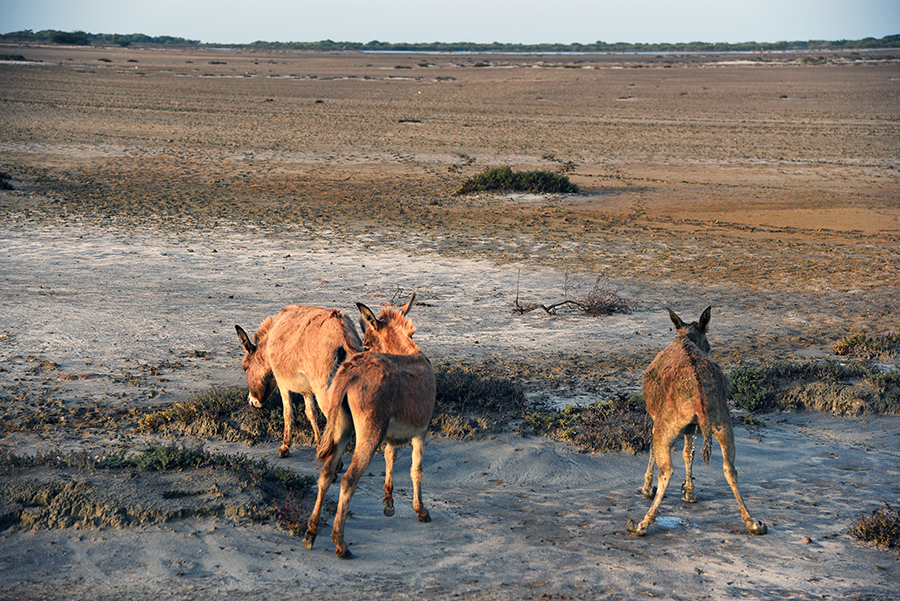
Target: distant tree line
(81, 38)
(892, 41)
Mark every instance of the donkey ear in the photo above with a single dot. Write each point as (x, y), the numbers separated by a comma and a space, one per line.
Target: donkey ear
(704, 319)
(245, 340)
(408, 305)
(675, 319)
(367, 317)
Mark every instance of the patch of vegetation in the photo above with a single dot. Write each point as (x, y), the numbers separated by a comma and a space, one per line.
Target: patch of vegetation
(157, 484)
(76, 38)
(621, 424)
(225, 413)
(881, 527)
(158, 457)
(504, 179)
(815, 385)
(470, 401)
(215, 403)
(469, 404)
(864, 346)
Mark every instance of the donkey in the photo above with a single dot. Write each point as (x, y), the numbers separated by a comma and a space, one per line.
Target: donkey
(385, 394)
(685, 391)
(300, 349)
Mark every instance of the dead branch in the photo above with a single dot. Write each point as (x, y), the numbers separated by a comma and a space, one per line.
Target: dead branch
(598, 301)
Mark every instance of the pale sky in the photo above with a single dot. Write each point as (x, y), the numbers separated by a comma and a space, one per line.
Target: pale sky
(510, 21)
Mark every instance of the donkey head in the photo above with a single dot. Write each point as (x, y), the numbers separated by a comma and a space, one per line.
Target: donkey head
(694, 331)
(260, 379)
(391, 332)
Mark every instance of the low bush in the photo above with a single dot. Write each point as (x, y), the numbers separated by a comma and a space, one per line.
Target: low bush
(881, 527)
(864, 346)
(504, 179)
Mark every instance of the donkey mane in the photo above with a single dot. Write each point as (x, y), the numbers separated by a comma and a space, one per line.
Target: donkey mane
(262, 331)
(400, 322)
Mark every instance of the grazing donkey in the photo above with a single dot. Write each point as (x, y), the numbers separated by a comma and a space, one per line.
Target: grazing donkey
(685, 391)
(300, 349)
(386, 394)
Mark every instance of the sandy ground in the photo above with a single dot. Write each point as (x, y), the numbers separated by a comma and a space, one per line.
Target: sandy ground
(160, 197)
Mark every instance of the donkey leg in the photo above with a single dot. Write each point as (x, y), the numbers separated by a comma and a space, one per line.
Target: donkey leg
(649, 491)
(310, 407)
(418, 444)
(285, 449)
(725, 436)
(343, 431)
(390, 454)
(661, 451)
(687, 489)
(362, 457)
(325, 479)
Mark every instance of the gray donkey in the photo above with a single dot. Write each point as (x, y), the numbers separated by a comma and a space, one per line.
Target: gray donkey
(685, 391)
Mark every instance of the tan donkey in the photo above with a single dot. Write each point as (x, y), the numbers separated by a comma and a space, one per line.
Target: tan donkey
(685, 391)
(385, 394)
(299, 350)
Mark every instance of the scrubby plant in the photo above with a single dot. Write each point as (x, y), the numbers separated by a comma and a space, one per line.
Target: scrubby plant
(620, 424)
(864, 346)
(881, 527)
(750, 390)
(504, 179)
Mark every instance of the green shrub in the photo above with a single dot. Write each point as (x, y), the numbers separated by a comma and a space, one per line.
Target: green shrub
(504, 179)
(881, 527)
(750, 390)
(864, 346)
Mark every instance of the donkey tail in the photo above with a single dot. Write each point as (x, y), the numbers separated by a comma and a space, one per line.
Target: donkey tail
(337, 399)
(326, 443)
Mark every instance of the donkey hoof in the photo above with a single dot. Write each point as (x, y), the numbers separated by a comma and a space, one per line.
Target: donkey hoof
(308, 541)
(630, 527)
(424, 517)
(757, 529)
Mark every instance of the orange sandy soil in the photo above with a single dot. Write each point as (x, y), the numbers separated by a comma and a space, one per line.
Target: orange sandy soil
(762, 173)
